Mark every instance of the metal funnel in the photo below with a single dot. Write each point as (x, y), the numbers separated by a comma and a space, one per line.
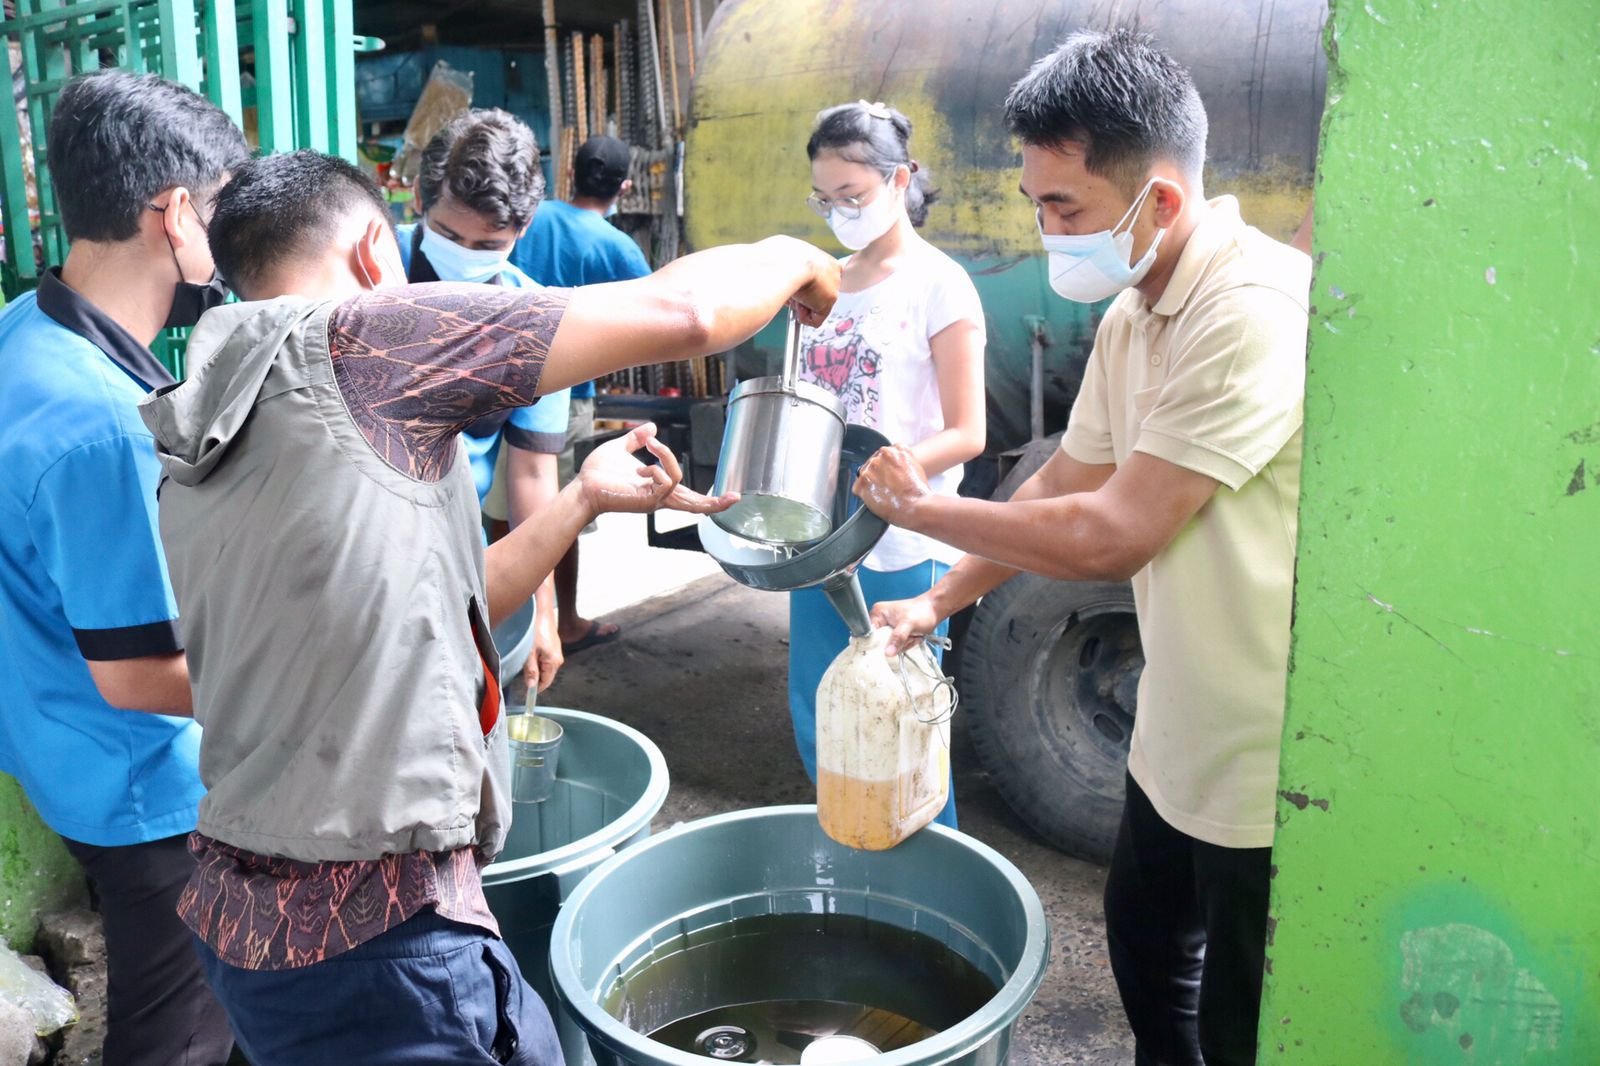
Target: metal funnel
(830, 562)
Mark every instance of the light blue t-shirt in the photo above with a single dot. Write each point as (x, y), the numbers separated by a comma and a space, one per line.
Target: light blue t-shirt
(567, 246)
(83, 577)
(541, 427)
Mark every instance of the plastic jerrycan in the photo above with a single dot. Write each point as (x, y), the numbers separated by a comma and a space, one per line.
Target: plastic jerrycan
(883, 743)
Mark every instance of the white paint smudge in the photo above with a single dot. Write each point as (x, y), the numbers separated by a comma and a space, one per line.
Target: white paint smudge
(1379, 19)
(1463, 979)
(1489, 275)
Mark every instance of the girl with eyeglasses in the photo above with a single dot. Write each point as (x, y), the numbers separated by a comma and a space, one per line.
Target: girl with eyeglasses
(903, 351)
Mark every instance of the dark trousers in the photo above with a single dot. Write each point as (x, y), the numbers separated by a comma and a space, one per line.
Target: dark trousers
(1186, 926)
(429, 991)
(159, 1011)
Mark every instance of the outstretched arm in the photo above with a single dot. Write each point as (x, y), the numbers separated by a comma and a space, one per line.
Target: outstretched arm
(975, 576)
(418, 363)
(613, 479)
(1104, 535)
(698, 305)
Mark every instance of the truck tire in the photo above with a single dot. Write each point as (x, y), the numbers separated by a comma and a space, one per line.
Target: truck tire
(1048, 676)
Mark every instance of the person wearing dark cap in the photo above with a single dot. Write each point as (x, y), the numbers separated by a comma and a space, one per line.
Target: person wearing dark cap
(569, 244)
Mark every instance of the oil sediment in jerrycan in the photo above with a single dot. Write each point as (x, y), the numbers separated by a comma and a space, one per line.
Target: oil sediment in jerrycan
(883, 743)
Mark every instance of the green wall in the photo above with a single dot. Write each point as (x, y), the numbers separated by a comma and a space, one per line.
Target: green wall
(36, 873)
(1437, 892)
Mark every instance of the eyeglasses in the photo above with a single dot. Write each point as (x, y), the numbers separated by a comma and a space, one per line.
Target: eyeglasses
(847, 206)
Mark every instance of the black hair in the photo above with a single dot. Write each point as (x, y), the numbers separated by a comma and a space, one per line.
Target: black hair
(280, 207)
(600, 167)
(117, 140)
(488, 161)
(1129, 102)
(879, 137)
(595, 186)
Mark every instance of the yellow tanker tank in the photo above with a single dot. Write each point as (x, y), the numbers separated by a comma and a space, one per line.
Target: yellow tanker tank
(770, 65)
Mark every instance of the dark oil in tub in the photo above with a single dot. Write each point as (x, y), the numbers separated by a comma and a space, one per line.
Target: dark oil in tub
(763, 989)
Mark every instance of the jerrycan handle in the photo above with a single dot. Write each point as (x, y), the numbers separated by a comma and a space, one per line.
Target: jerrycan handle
(791, 354)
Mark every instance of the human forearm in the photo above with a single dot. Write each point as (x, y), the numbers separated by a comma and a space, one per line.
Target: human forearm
(633, 473)
(740, 288)
(957, 352)
(947, 449)
(968, 581)
(698, 305)
(156, 684)
(532, 482)
(520, 562)
(1097, 536)
(1063, 537)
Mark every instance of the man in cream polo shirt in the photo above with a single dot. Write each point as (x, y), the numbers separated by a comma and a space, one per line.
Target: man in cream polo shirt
(1180, 469)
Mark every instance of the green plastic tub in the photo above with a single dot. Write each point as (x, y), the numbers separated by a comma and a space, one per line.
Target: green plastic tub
(678, 886)
(610, 781)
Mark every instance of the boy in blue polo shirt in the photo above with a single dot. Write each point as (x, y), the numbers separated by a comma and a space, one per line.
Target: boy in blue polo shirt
(572, 244)
(478, 187)
(88, 627)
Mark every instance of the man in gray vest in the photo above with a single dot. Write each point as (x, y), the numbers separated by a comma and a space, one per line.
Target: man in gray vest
(321, 525)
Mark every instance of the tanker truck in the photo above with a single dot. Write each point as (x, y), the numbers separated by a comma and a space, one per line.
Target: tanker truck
(1048, 671)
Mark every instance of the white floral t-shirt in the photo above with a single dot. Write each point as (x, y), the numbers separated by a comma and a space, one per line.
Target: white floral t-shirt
(874, 353)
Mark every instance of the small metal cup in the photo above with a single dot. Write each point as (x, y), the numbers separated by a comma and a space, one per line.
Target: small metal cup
(535, 744)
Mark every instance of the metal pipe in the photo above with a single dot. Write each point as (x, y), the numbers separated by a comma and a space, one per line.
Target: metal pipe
(1038, 340)
(552, 77)
(847, 598)
(791, 354)
(655, 66)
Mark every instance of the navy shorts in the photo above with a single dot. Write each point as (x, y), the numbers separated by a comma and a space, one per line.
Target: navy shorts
(428, 991)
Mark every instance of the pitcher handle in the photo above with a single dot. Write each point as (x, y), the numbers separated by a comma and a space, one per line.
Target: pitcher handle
(791, 354)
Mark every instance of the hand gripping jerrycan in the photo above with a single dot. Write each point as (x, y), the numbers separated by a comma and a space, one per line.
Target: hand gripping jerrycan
(883, 743)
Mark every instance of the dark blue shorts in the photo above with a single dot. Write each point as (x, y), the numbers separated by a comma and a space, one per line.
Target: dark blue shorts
(429, 991)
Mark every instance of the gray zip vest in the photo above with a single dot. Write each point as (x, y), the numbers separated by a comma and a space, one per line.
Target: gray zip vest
(333, 608)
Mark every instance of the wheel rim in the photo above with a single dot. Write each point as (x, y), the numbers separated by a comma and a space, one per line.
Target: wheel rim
(1092, 670)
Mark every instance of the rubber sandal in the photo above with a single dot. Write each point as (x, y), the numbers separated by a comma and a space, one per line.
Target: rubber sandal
(591, 638)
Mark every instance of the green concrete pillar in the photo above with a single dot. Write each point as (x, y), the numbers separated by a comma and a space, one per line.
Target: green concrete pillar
(36, 873)
(1437, 887)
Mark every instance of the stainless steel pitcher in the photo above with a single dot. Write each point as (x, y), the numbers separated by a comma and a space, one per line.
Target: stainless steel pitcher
(780, 452)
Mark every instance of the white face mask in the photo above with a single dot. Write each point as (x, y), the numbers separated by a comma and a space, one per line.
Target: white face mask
(875, 219)
(1094, 266)
(452, 262)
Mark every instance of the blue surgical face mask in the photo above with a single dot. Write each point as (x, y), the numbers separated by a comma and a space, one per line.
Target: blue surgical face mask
(452, 262)
(1094, 266)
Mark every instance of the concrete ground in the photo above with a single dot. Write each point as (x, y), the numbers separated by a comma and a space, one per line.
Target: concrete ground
(701, 669)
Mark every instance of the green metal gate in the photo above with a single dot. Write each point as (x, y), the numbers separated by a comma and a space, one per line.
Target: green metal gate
(283, 69)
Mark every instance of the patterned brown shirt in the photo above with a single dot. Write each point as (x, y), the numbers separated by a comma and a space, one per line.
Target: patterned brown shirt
(415, 366)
